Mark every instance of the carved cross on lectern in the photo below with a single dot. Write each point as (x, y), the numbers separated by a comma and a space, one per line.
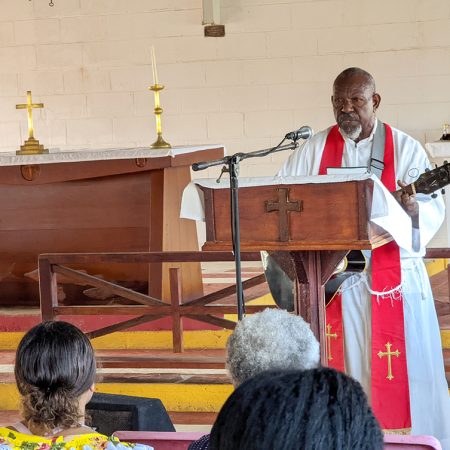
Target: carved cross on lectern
(284, 206)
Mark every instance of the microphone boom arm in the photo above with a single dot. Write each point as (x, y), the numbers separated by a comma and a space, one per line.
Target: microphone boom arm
(241, 156)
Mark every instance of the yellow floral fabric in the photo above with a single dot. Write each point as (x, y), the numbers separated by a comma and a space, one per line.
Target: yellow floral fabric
(13, 440)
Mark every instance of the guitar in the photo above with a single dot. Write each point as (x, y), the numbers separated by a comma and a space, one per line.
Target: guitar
(281, 285)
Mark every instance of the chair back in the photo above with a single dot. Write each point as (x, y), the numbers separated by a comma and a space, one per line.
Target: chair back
(160, 440)
(409, 442)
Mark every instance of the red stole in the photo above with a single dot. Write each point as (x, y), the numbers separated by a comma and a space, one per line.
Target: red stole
(390, 388)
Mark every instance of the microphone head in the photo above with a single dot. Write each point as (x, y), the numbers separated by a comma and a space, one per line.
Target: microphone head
(304, 132)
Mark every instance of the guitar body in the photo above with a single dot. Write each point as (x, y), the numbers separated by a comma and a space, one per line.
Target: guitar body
(279, 277)
(354, 263)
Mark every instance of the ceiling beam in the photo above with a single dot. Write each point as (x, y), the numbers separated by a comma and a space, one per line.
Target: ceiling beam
(211, 12)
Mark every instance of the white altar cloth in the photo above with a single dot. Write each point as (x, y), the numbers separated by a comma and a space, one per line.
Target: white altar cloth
(66, 156)
(385, 212)
(439, 149)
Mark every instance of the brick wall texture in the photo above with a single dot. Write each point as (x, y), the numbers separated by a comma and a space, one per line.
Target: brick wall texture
(89, 62)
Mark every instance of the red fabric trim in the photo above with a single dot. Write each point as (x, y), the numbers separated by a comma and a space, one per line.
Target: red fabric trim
(387, 314)
(388, 324)
(334, 333)
(333, 151)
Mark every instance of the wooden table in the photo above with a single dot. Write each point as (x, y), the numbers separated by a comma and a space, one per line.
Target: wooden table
(88, 202)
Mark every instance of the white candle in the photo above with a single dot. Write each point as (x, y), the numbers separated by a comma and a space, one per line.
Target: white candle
(154, 69)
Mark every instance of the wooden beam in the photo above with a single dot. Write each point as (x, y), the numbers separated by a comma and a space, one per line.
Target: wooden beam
(211, 12)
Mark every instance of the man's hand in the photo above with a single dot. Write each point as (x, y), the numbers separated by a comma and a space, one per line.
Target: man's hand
(408, 203)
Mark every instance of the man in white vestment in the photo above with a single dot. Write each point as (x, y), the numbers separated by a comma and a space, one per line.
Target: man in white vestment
(355, 102)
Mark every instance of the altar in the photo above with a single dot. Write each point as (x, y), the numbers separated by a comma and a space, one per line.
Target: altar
(111, 200)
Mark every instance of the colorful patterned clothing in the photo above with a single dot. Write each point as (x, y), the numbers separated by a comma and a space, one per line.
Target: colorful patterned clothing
(13, 440)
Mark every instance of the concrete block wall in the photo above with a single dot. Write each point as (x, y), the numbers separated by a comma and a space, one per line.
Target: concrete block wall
(89, 62)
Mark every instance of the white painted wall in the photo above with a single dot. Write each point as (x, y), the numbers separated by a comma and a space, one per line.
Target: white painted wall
(89, 62)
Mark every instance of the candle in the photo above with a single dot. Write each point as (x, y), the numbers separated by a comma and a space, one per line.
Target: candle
(154, 68)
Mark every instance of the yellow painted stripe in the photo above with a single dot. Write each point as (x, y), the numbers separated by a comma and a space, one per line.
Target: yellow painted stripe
(434, 266)
(175, 397)
(445, 337)
(264, 300)
(148, 340)
(140, 340)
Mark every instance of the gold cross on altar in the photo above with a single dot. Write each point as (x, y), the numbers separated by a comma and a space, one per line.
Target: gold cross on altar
(31, 145)
(29, 106)
(284, 207)
(330, 335)
(389, 354)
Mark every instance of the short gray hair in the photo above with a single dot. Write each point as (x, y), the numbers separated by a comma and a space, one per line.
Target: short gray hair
(270, 340)
(355, 72)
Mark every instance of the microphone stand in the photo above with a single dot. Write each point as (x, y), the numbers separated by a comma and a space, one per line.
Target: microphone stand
(232, 167)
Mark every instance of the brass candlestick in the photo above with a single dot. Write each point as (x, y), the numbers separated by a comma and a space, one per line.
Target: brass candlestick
(31, 145)
(160, 142)
(445, 132)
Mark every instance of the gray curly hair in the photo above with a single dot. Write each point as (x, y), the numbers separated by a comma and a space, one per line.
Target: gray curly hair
(270, 340)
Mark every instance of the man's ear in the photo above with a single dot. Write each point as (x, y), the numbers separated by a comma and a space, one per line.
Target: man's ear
(376, 99)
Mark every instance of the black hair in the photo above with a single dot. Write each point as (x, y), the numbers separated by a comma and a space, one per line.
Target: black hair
(55, 364)
(316, 409)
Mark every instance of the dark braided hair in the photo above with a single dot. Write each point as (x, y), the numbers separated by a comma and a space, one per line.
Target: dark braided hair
(316, 409)
(55, 364)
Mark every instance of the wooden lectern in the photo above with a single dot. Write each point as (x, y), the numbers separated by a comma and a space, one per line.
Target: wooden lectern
(315, 225)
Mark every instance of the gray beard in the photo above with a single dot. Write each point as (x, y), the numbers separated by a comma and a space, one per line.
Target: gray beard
(354, 133)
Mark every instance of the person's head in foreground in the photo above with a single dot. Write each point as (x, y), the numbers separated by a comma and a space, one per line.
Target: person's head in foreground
(355, 102)
(55, 374)
(317, 409)
(270, 340)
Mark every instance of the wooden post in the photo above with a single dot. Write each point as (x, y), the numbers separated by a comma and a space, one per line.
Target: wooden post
(175, 299)
(48, 289)
(211, 11)
(448, 281)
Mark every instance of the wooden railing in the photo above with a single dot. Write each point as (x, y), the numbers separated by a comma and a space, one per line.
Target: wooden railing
(440, 253)
(437, 253)
(145, 307)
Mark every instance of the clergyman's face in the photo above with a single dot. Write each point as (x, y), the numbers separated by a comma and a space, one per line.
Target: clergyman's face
(354, 105)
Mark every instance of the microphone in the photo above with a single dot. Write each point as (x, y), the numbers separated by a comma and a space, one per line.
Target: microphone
(302, 133)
